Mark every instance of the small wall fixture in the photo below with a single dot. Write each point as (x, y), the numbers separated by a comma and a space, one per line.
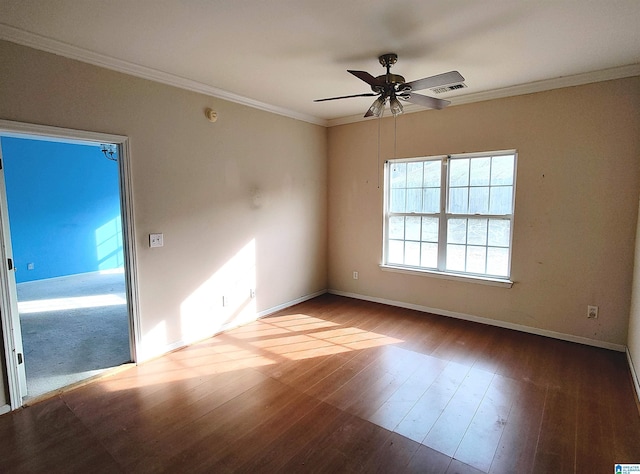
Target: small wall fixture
(211, 115)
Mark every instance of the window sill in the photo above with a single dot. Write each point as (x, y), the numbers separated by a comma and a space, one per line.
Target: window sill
(449, 276)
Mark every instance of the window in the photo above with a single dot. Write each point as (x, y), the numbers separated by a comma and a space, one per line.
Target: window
(451, 214)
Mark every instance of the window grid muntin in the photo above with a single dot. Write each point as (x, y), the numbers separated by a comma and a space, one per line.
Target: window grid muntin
(443, 216)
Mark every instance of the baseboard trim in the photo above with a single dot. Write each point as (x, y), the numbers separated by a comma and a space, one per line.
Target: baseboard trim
(491, 322)
(5, 409)
(635, 380)
(176, 345)
(288, 304)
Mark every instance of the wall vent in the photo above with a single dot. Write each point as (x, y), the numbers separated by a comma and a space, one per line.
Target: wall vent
(453, 87)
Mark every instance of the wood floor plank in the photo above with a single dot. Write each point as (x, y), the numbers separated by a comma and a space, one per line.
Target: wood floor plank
(556, 450)
(395, 455)
(345, 448)
(343, 374)
(400, 403)
(335, 384)
(480, 442)
(375, 384)
(519, 440)
(428, 461)
(303, 433)
(47, 436)
(424, 414)
(243, 449)
(447, 432)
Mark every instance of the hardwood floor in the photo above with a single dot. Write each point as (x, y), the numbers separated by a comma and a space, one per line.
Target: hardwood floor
(341, 385)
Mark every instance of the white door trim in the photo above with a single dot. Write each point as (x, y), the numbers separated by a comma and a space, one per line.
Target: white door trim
(33, 131)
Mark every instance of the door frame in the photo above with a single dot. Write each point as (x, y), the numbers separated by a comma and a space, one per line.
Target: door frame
(26, 130)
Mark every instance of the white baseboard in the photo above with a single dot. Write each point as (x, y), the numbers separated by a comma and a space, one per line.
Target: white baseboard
(634, 375)
(144, 357)
(288, 304)
(492, 322)
(5, 409)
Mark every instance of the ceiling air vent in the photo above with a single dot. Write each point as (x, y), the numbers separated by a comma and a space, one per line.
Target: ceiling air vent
(453, 87)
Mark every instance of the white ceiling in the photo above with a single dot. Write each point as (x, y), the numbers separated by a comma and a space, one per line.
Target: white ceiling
(279, 55)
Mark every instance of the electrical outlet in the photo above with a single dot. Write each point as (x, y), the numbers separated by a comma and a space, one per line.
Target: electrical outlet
(252, 293)
(592, 312)
(30, 266)
(355, 275)
(156, 240)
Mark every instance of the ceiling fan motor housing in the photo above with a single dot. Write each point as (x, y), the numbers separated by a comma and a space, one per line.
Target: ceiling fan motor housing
(388, 60)
(391, 87)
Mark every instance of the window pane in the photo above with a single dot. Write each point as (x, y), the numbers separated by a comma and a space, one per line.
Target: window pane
(414, 200)
(459, 172)
(429, 256)
(398, 175)
(477, 212)
(480, 169)
(430, 229)
(414, 175)
(458, 200)
(396, 251)
(502, 170)
(431, 200)
(501, 200)
(478, 200)
(432, 171)
(397, 200)
(455, 257)
(497, 261)
(396, 227)
(499, 230)
(477, 232)
(476, 258)
(457, 231)
(412, 253)
(412, 229)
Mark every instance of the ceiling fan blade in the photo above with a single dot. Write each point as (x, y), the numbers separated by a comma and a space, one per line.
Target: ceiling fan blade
(368, 94)
(425, 101)
(444, 79)
(368, 78)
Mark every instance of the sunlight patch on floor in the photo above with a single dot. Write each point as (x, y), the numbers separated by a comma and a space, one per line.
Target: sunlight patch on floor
(265, 342)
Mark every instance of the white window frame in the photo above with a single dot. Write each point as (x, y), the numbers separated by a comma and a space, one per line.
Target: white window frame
(444, 215)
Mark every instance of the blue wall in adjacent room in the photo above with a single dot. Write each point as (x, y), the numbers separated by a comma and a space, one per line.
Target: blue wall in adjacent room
(64, 208)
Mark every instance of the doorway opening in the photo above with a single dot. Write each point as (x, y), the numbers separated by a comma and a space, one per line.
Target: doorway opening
(67, 236)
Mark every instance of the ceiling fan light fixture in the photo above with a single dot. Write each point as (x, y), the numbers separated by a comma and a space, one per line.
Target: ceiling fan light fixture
(396, 106)
(393, 87)
(376, 107)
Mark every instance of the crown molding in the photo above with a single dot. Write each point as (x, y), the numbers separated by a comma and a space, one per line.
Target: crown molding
(32, 40)
(521, 89)
(25, 38)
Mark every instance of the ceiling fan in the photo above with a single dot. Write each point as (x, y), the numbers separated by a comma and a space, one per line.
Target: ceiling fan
(391, 87)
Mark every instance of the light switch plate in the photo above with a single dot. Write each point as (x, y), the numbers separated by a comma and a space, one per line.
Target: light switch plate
(156, 240)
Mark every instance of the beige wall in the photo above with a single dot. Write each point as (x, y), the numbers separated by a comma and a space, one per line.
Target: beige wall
(575, 218)
(241, 202)
(246, 198)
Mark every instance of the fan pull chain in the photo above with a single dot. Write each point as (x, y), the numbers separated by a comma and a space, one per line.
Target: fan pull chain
(378, 167)
(395, 135)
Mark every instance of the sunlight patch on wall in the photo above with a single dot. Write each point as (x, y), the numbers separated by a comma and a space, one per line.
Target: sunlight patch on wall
(109, 245)
(226, 299)
(154, 342)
